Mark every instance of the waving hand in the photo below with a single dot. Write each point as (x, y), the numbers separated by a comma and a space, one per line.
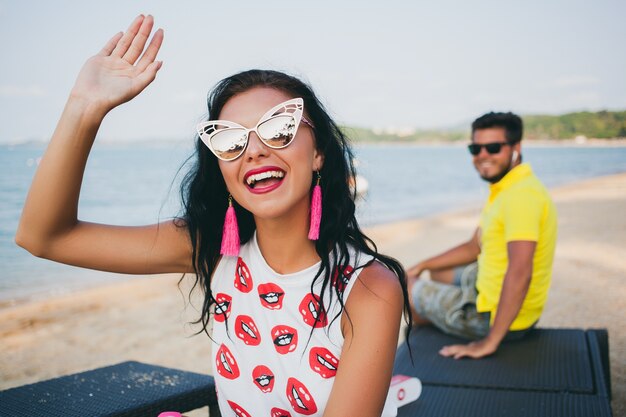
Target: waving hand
(123, 68)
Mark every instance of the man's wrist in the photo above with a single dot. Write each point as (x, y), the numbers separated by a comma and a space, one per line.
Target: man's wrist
(494, 339)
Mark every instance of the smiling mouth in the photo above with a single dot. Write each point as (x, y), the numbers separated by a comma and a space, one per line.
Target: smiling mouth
(264, 179)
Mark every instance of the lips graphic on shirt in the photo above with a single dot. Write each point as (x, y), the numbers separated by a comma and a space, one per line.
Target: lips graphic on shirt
(243, 279)
(341, 277)
(271, 296)
(285, 339)
(246, 330)
(263, 378)
(323, 362)
(239, 411)
(300, 398)
(312, 311)
(222, 306)
(279, 412)
(226, 364)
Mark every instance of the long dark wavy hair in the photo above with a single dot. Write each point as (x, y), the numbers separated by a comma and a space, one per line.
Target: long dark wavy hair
(205, 197)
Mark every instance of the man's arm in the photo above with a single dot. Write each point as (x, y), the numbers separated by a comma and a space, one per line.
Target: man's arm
(514, 289)
(462, 254)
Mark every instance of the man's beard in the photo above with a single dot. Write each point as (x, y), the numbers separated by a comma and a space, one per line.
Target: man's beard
(498, 177)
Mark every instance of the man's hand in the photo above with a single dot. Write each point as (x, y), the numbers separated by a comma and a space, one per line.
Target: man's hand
(478, 349)
(415, 271)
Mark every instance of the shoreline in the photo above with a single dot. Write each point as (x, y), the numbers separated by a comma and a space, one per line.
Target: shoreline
(377, 231)
(145, 318)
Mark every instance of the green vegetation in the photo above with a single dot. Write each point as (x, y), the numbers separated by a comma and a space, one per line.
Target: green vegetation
(358, 134)
(601, 125)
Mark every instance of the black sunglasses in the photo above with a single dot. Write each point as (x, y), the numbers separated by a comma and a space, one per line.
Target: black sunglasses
(492, 148)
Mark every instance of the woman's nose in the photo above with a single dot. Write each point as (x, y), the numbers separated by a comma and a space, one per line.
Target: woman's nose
(256, 148)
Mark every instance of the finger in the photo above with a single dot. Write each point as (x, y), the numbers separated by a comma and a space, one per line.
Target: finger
(460, 355)
(125, 41)
(110, 45)
(151, 52)
(447, 350)
(139, 41)
(147, 76)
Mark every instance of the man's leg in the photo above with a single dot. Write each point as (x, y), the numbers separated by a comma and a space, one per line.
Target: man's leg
(451, 308)
(445, 276)
(450, 276)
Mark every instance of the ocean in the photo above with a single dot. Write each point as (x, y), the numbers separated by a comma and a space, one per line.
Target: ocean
(137, 183)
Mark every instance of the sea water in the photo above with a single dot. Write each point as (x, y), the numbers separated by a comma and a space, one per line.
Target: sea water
(137, 183)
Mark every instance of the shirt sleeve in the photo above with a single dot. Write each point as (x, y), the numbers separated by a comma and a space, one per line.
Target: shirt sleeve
(522, 214)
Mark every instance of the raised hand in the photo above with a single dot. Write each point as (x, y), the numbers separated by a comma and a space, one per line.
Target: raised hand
(122, 69)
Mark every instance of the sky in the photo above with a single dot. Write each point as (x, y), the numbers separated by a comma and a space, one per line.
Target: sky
(392, 65)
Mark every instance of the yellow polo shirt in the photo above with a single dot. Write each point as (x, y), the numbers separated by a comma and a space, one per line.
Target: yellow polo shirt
(519, 208)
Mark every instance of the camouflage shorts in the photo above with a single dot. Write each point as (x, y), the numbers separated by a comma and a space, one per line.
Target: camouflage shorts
(452, 308)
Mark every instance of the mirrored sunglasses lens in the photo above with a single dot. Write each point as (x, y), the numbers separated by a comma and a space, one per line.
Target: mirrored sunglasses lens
(278, 131)
(228, 144)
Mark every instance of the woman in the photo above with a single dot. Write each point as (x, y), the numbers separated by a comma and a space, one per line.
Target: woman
(293, 293)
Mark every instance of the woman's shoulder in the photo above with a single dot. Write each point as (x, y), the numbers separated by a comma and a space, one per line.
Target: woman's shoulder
(375, 303)
(377, 283)
(381, 281)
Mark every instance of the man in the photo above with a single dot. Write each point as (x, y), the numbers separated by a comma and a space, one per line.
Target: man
(494, 286)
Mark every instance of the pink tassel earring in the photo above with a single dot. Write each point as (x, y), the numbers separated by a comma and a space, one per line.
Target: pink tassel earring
(316, 210)
(230, 234)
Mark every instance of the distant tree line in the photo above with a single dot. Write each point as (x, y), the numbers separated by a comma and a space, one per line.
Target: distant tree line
(601, 125)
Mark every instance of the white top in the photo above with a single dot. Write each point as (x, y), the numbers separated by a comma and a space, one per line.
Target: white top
(265, 362)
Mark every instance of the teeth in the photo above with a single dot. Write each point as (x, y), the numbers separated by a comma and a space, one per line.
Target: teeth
(271, 297)
(325, 363)
(252, 179)
(221, 308)
(248, 330)
(283, 340)
(225, 363)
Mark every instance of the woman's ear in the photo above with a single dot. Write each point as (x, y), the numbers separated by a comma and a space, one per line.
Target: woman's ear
(318, 160)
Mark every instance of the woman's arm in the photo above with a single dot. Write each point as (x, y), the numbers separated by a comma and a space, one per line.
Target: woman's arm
(371, 333)
(49, 226)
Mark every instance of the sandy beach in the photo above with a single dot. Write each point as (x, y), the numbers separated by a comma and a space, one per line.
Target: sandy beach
(146, 319)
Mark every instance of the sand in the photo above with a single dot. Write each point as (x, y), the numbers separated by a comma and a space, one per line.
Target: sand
(146, 319)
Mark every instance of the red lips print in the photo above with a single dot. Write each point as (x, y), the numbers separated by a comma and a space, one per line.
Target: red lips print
(243, 279)
(341, 277)
(222, 306)
(285, 339)
(226, 364)
(246, 330)
(322, 361)
(271, 296)
(279, 412)
(263, 378)
(312, 312)
(239, 411)
(300, 398)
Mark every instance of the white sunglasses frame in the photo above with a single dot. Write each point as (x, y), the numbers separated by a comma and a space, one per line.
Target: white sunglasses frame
(206, 130)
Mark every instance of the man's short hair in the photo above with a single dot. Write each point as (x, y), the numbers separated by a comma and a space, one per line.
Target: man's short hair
(511, 123)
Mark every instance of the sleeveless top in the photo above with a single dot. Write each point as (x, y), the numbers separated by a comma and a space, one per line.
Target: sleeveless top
(267, 362)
